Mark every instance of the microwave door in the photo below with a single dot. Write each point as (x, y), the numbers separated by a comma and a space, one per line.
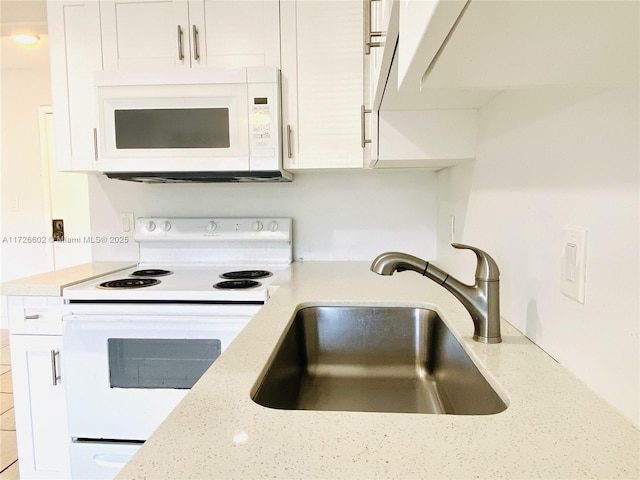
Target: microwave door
(172, 128)
(154, 131)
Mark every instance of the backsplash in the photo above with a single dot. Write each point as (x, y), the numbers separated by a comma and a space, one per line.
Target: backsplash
(547, 159)
(346, 215)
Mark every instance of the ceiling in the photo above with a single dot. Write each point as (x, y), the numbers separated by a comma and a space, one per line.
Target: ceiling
(23, 16)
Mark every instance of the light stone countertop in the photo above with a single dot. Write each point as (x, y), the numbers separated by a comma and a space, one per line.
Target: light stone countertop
(51, 283)
(554, 426)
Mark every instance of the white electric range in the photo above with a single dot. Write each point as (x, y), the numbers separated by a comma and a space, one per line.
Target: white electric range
(135, 341)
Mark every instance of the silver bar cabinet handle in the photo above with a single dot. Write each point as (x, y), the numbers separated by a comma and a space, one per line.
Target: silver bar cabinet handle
(95, 144)
(363, 137)
(180, 44)
(289, 147)
(196, 43)
(55, 376)
(368, 34)
(35, 316)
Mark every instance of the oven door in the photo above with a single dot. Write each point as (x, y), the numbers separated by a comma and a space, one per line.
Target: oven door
(124, 374)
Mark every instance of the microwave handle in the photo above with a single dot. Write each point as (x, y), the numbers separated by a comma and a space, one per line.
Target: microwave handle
(180, 44)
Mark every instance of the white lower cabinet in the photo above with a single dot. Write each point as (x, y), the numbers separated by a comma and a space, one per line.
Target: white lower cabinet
(39, 403)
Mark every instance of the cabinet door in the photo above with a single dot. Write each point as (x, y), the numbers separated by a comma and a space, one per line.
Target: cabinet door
(75, 52)
(145, 34)
(41, 419)
(323, 83)
(229, 33)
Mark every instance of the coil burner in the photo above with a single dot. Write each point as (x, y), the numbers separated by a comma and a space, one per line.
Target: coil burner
(236, 284)
(151, 272)
(242, 274)
(125, 283)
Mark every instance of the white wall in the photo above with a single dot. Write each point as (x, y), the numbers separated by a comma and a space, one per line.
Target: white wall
(547, 159)
(346, 215)
(28, 198)
(24, 87)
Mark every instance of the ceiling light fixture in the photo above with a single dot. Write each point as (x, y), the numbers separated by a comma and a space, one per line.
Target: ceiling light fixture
(26, 39)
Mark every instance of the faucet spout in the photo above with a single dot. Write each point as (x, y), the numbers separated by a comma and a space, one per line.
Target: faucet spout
(482, 299)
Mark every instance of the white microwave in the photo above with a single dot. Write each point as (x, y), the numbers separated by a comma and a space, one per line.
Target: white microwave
(197, 125)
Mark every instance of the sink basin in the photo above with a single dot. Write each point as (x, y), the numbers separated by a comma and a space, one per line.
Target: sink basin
(374, 359)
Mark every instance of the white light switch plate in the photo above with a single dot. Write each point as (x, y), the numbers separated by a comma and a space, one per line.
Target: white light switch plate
(574, 262)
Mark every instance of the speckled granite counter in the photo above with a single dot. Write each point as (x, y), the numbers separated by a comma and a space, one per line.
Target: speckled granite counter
(51, 283)
(554, 426)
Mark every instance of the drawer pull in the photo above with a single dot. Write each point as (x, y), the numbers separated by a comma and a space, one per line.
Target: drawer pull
(35, 316)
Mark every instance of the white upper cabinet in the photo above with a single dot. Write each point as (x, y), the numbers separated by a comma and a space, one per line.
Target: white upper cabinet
(75, 52)
(160, 34)
(323, 83)
(461, 54)
(404, 132)
(237, 33)
(444, 59)
(531, 44)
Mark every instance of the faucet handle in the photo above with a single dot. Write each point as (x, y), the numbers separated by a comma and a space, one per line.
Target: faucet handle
(486, 268)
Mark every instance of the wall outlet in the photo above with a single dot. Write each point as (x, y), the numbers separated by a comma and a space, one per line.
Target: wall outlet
(574, 262)
(127, 223)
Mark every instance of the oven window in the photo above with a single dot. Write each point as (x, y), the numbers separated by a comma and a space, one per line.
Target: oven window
(172, 128)
(159, 363)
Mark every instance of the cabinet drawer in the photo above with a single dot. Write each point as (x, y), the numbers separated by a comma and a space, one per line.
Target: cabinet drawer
(35, 315)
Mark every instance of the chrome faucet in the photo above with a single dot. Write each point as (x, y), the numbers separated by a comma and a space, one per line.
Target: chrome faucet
(482, 300)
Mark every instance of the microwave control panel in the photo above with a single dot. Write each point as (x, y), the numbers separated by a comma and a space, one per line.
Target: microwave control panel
(263, 127)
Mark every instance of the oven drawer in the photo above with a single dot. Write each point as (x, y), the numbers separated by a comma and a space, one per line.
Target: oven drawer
(35, 315)
(97, 460)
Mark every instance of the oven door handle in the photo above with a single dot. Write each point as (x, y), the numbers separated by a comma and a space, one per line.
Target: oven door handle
(111, 461)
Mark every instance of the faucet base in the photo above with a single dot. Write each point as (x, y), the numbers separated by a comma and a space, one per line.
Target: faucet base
(480, 339)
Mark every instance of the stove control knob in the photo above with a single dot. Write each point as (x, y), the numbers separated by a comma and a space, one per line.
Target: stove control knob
(257, 226)
(151, 225)
(273, 226)
(166, 226)
(212, 226)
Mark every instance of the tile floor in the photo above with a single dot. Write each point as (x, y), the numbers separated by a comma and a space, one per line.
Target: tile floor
(8, 450)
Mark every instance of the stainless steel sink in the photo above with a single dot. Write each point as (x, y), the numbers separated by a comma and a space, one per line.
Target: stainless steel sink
(374, 359)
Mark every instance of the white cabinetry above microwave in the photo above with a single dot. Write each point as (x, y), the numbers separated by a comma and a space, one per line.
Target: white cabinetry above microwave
(157, 34)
